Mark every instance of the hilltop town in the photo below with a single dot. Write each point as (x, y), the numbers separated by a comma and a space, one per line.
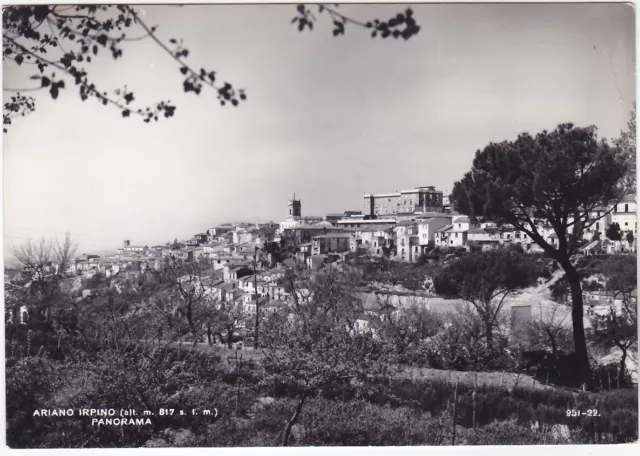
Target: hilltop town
(149, 303)
(245, 262)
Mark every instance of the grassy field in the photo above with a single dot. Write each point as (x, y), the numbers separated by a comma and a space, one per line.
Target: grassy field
(506, 380)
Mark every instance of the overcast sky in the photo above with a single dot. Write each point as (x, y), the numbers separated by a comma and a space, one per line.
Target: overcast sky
(327, 118)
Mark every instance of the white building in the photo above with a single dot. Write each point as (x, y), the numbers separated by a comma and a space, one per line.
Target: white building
(242, 236)
(427, 228)
(484, 238)
(625, 214)
(407, 241)
(442, 236)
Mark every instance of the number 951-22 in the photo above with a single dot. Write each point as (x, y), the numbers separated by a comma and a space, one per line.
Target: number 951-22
(577, 413)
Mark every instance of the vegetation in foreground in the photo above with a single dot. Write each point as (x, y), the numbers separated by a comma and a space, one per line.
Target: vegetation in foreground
(252, 406)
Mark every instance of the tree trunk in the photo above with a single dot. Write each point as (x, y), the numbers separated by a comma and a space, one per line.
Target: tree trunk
(229, 336)
(293, 420)
(255, 288)
(552, 342)
(454, 419)
(577, 317)
(209, 340)
(623, 365)
(488, 332)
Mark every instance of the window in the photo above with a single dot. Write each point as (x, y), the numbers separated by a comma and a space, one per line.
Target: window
(597, 225)
(626, 208)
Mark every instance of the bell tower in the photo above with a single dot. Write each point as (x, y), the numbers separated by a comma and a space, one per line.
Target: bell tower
(294, 207)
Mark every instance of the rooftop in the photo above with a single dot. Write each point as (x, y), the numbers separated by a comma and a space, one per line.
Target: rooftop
(479, 231)
(428, 215)
(366, 222)
(224, 286)
(445, 228)
(332, 235)
(382, 195)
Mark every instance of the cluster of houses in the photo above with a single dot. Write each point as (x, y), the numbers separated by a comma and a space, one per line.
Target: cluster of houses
(402, 226)
(405, 236)
(222, 245)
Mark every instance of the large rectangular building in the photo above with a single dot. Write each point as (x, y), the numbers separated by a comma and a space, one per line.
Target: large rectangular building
(419, 199)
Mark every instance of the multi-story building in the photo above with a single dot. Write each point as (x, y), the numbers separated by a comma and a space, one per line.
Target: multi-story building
(242, 236)
(128, 248)
(201, 238)
(458, 233)
(407, 241)
(427, 226)
(372, 239)
(625, 214)
(361, 222)
(511, 235)
(330, 243)
(218, 231)
(603, 219)
(483, 238)
(441, 236)
(446, 202)
(420, 199)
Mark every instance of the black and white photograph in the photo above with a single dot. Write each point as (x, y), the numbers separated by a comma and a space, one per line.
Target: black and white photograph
(319, 225)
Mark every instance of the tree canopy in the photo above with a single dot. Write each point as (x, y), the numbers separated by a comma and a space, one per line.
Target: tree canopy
(619, 326)
(627, 142)
(485, 280)
(61, 42)
(614, 232)
(560, 176)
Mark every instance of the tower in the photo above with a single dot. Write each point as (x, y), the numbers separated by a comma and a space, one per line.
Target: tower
(294, 207)
(126, 243)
